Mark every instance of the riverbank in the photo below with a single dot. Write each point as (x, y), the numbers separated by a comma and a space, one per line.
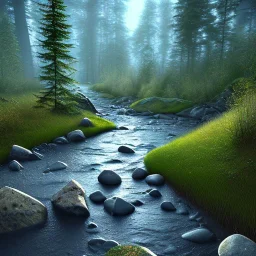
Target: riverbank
(24, 125)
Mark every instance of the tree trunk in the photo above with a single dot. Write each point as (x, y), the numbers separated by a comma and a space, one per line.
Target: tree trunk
(23, 37)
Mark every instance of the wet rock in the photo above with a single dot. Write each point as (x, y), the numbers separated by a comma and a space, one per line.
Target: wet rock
(182, 210)
(56, 167)
(137, 203)
(109, 244)
(155, 193)
(92, 225)
(61, 140)
(86, 122)
(114, 161)
(22, 154)
(118, 207)
(71, 199)
(15, 166)
(123, 128)
(97, 197)
(139, 174)
(126, 150)
(100, 244)
(200, 235)
(171, 249)
(237, 245)
(121, 111)
(109, 178)
(19, 210)
(168, 206)
(194, 216)
(76, 136)
(130, 250)
(155, 180)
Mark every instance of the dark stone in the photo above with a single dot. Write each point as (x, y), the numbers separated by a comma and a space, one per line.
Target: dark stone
(139, 174)
(110, 178)
(155, 180)
(126, 150)
(168, 206)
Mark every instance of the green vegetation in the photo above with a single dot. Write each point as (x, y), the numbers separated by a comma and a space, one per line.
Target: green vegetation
(214, 167)
(127, 250)
(161, 105)
(26, 126)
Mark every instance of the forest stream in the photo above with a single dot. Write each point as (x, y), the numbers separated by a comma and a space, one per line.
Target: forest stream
(148, 226)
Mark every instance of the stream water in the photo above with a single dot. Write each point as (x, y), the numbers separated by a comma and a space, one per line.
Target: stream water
(148, 226)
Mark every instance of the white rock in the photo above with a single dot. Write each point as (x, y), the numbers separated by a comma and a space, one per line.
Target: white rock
(19, 210)
(237, 245)
(200, 235)
(57, 166)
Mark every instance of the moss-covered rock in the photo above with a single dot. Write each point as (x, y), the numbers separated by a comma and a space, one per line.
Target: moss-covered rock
(161, 105)
(128, 250)
(242, 84)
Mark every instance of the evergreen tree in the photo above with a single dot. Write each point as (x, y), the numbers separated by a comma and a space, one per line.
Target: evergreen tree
(10, 65)
(144, 41)
(57, 71)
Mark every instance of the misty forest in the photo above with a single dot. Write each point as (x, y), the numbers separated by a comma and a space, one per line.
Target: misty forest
(128, 127)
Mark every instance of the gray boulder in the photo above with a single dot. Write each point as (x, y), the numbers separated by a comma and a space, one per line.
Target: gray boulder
(71, 199)
(101, 245)
(97, 197)
(200, 235)
(168, 206)
(86, 122)
(57, 166)
(155, 180)
(126, 150)
(61, 140)
(15, 166)
(76, 136)
(109, 178)
(22, 154)
(237, 245)
(118, 207)
(139, 174)
(198, 112)
(19, 210)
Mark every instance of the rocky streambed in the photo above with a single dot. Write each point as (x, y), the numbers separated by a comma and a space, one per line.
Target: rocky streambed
(163, 228)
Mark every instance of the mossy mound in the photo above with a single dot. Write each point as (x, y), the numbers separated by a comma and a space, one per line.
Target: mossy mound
(23, 125)
(241, 85)
(208, 167)
(129, 250)
(161, 105)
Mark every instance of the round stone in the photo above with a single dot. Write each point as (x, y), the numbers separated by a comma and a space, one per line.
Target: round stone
(168, 206)
(155, 180)
(139, 174)
(109, 178)
(97, 197)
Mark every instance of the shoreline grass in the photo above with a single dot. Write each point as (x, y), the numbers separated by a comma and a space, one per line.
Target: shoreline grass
(26, 126)
(209, 168)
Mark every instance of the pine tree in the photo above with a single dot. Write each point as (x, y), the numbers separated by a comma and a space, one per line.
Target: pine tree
(10, 65)
(57, 70)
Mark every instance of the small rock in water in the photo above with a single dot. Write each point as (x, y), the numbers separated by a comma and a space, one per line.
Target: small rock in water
(170, 250)
(92, 225)
(114, 161)
(194, 216)
(126, 150)
(155, 180)
(61, 140)
(139, 174)
(155, 193)
(182, 210)
(97, 197)
(71, 199)
(237, 245)
(19, 210)
(100, 244)
(56, 167)
(123, 128)
(76, 136)
(15, 166)
(22, 154)
(137, 203)
(118, 207)
(200, 235)
(86, 122)
(168, 206)
(109, 178)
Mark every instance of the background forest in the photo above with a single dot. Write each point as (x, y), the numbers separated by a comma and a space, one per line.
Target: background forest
(188, 49)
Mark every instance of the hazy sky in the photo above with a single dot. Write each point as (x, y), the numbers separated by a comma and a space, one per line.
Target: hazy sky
(135, 7)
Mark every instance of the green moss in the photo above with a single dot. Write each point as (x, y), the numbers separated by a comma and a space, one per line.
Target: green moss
(161, 105)
(128, 250)
(209, 168)
(26, 126)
